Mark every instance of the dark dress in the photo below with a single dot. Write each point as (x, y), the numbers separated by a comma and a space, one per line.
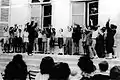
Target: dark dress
(110, 39)
(16, 71)
(100, 48)
(31, 37)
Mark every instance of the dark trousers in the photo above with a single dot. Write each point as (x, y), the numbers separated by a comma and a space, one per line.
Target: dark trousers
(40, 44)
(30, 45)
(60, 42)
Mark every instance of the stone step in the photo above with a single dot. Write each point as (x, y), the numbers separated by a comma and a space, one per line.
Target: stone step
(33, 62)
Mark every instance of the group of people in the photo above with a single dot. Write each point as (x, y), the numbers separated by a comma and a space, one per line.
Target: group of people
(51, 70)
(93, 41)
(99, 42)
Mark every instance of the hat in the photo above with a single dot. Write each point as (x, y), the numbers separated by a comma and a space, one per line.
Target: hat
(86, 65)
(115, 72)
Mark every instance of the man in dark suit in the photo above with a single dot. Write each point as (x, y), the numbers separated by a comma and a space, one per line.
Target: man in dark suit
(31, 36)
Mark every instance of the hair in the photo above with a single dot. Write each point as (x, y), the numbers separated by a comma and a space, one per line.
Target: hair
(86, 65)
(17, 58)
(103, 66)
(113, 26)
(46, 65)
(60, 71)
(103, 29)
(115, 73)
(16, 69)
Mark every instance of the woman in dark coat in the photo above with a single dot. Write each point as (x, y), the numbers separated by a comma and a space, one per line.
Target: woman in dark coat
(111, 31)
(16, 69)
(100, 48)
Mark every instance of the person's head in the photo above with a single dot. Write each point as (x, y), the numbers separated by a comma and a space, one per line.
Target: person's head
(46, 65)
(103, 66)
(36, 24)
(69, 28)
(94, 28)
(86, 65)
(61, 30)
(115, 73)
(27, 24)
(53, 29)
(103, 29)
(61, 71)
(113, 27)
(32, 22)
(15, 25)
(17, 58)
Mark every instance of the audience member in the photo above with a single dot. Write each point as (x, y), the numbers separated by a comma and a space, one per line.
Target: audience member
(87, 67)
(45, 68)
(61, 71)
(16, 69)
(115, 73)
(103, 66)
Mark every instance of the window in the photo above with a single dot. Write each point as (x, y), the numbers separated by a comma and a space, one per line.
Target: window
(46, 0)
(78, 13)
(4, 15)
(93, 13)
(41, 12)
(35, 1)
(47, 12)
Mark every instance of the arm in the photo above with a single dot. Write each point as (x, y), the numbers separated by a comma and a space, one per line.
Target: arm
(107, 24)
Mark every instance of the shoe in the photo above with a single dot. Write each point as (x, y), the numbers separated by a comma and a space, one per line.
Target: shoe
(113, 56)
(30, 54)
(60, 53)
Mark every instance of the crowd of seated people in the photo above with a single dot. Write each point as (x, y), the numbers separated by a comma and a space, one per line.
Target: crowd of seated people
(51, 70)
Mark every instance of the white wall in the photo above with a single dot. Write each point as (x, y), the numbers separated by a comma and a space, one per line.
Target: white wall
(60, 13)
(20, 12)
(109, 9)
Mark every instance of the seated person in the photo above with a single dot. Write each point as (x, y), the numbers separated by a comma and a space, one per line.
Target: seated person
(115, 73)
(45, 68)
(61, 71)
(16, 69)
(103, 66)
(87, 67)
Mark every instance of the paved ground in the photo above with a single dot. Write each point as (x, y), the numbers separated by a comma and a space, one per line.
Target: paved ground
(33, 62)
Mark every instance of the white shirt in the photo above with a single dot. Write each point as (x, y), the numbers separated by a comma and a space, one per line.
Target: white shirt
(39, 35)
(68, 33)
(39, 76)
(94, 34)
(25, 34)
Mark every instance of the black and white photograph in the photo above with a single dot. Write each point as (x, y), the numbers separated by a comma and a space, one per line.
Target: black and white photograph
(59, 39)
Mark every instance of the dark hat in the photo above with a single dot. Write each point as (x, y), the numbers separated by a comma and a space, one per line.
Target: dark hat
(86, 65)
(115, 72)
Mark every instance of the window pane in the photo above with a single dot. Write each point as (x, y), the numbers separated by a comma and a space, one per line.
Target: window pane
(47, 10)
(93, 8)
(93, 20)
(78, 19)
(46, 0)
(4, 14)
(4, 2)
(35, 1)
(35, 10)
(78, 8)
(46, 21)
